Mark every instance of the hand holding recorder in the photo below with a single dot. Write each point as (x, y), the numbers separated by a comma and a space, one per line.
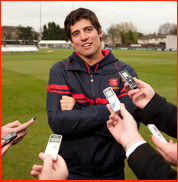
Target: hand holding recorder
(50, 170)
(168, 150)
(123, 129)
(12, 133)
(141, 95)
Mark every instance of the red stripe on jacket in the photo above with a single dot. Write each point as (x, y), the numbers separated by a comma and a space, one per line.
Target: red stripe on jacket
(58, 87)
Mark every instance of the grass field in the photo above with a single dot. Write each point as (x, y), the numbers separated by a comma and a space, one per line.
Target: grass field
(24, 79)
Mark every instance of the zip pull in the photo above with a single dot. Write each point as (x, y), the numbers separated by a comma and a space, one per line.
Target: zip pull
(92, 80)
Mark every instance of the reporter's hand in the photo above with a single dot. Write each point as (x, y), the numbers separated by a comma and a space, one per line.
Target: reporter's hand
(122, 129)
(142, 95)
(4, 148)
(67, 103)
(168, 150)
(51, 170)
(18, 128)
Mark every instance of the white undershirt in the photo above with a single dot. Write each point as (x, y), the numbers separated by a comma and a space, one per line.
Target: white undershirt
(133, 147)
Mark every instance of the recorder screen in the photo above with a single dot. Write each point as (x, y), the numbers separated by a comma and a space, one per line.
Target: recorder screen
(109, 93)
(55, 139)
(125, 74)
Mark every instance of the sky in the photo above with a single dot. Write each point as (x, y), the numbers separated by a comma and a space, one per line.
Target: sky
(147, 16)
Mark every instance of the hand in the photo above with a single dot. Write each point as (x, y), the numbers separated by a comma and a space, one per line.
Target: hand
(122, 129)
(51, 170)
(4, 148)
(18, 128)
(168, 150)
(142, 95)
(67, 103)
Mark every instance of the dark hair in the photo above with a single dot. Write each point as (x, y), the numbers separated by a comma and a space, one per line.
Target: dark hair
(78, 14)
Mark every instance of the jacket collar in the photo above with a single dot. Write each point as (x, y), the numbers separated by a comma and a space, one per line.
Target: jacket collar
(108, 63)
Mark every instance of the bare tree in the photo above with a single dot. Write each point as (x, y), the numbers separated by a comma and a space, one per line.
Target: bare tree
(167, 29)
(173, 30)
(113, 33)
(105, 36)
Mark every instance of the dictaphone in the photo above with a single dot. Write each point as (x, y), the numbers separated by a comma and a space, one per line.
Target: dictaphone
(112, 98)
(53, 146)
(128, 78)
(154, 130)
(9, 137)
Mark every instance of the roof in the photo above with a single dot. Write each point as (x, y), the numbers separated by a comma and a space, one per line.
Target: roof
(152, 36)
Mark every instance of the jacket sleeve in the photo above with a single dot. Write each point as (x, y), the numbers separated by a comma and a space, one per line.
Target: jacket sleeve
(161, 113)
(77, 120)
(147, 164)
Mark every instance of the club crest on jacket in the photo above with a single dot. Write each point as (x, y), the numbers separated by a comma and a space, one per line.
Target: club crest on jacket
(113, 82)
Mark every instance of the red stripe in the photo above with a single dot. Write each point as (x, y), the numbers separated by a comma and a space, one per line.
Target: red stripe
(123, 90)
(96, 67)
(58, 87)
(78, 96)
(67, 63)
(77, 53)
(102, 101)
(116, 66)
(87, 67)
(90, 100)
(81, 101)
(82, 96)
(59, 92)
(122, 95)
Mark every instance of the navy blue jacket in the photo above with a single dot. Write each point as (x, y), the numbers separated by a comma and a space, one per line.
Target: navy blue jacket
(87, 146)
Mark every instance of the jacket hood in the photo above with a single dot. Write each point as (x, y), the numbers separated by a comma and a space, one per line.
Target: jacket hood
(108, 59)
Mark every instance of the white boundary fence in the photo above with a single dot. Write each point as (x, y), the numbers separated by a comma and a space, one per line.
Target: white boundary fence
(18, 48)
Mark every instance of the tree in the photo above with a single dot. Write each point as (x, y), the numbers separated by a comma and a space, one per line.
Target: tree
(105, 36)
(7, 34)
(113, 33)
(53, 32)
(173, 30)
(128, 32)
(25, 33)
(168, 29)
(130, 37)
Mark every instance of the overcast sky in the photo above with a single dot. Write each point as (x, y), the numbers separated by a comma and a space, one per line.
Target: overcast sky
(145, 15)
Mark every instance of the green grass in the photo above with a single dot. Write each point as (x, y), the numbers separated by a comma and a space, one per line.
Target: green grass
(24, 79)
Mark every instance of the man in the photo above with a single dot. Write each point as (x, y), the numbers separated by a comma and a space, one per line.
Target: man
(76, 104)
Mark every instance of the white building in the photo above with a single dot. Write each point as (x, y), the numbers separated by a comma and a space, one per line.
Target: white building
(152, 39)
(171, 42)
(53, 44)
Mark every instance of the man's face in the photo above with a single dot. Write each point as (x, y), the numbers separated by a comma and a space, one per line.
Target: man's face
(85, 39)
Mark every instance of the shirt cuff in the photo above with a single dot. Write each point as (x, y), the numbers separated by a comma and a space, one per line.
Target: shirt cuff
(133, 147)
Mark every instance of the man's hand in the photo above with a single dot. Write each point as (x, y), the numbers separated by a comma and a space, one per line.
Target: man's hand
(4, 148)
(168, 150)
(142, 95)
(67, 103)
(18, 128)
(122, 129)
(51, 170)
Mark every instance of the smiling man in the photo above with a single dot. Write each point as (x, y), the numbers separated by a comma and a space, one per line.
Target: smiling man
(76, 104)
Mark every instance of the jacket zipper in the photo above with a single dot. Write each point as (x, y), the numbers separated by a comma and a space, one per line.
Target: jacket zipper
(92, 86)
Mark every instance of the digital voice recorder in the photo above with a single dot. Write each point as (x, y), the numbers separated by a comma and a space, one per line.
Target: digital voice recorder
(112, 98)
(9, 137)
(154, 130)
(53, 146)
(128, 78)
